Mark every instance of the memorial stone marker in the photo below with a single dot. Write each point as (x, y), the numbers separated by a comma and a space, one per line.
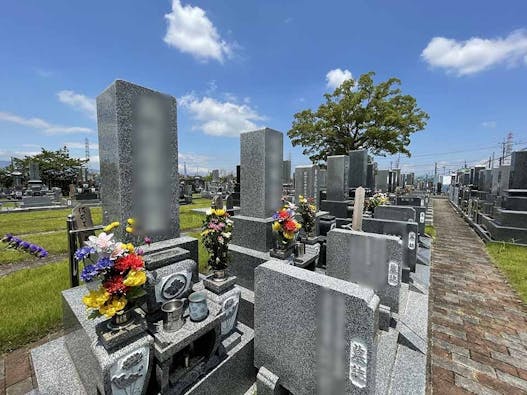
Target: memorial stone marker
(367, 259)
(138, 159)
(313, 334)
(358, 168)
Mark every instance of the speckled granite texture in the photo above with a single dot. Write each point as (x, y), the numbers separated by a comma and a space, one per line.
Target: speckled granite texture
(368, 259)
(313, 331)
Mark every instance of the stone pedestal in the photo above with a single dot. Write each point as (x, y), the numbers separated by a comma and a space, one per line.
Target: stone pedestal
(336, 208)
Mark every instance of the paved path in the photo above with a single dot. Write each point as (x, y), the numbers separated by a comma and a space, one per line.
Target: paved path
(478, 324)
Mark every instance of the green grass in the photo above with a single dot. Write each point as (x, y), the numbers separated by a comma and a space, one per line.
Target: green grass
(30, 304)
(430, 231)
(189, 219)
(512, 260)
(40, 221)
(54, 221)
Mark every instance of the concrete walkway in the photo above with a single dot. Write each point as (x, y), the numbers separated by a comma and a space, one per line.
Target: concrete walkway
(478, 324)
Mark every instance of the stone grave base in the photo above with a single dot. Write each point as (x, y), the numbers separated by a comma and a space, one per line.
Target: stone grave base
(77, 363)
(336, 208)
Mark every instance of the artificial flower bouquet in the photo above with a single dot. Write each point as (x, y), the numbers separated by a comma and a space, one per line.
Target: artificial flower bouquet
(285, 227)
(307, 212)
(378, 199)
(216, 235)
(120, 268)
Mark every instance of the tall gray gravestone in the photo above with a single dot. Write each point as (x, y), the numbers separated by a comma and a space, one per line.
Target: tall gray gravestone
(261, 172)
(518, 172)
(382, 180)
(307, 183)
(286, 178)
(138, 150)
(358, 168)
(261, 191)
(337, 186)
(313, 334)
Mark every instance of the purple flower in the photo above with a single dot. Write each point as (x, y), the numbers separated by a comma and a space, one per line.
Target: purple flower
(104, 263)
(7, 238)
(139, 251)
(148, 240)
(24, 245)
(33, 248)
(88, 273)
(83, 252)
(42, 253)
(15, 241)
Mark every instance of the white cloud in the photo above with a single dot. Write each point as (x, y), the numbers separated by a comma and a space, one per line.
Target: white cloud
(476, 54)
(336, 77)
(489, 124)
(221, 118)
(191, 31)
(79, 102)
(44, 126)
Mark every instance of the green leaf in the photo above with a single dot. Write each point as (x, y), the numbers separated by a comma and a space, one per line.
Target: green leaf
(94, 314)
(135, 293)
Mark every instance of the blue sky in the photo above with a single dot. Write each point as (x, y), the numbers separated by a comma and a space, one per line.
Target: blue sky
(238, 65)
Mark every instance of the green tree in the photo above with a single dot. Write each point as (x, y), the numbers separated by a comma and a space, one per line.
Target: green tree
(359, 114)
(57, 168)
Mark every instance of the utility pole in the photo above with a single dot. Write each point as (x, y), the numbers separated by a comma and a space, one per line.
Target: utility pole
(435, 172)
(492, 165)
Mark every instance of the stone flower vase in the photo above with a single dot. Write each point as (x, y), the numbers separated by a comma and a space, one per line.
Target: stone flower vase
(122, 318)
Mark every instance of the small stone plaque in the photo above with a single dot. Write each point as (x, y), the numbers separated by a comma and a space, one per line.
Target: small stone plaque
(219, 287)
(111, 338)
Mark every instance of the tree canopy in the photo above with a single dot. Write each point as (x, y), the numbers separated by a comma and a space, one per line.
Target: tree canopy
(57, 168)
(359, 114)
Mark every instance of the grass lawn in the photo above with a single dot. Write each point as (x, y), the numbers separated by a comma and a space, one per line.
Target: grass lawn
(512, 260)
(430, 231)
(54, 221)
(30, 304)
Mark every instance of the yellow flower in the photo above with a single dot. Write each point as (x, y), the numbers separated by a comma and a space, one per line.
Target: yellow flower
(113, 306)
(301, 197)
(219, 212)
(96, 299)
(130, 247)
(205, 232)
(130, 221)
(135, 278)
(298, 226)
(276, 226)
(111, 226)
(289, 235)
(313, 207)
(129, 229)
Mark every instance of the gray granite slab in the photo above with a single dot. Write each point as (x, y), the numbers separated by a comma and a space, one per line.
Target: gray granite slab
(252, 232)
(368, 259)
(407, 231)
(396, 213)
(156, 260)
(138, 150)
(337, 177)
(243, 262)
(261, 161)
(97, 368)
(54, 370)
(307, 183)
(186, 242)
(318, 334)
(358, 166)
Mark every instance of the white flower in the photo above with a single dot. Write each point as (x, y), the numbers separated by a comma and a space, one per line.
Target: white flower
(227, 235)
(101, 243)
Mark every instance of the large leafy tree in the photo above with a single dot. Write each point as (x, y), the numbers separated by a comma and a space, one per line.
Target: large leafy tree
(359, 114)
(57, 168)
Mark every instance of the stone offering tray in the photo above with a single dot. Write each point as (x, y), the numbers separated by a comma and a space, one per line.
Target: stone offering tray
(167, 344)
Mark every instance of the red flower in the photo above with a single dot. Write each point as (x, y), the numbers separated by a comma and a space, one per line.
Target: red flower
(130, 261)
(290, 226)
(114, 285)
(283, 214)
